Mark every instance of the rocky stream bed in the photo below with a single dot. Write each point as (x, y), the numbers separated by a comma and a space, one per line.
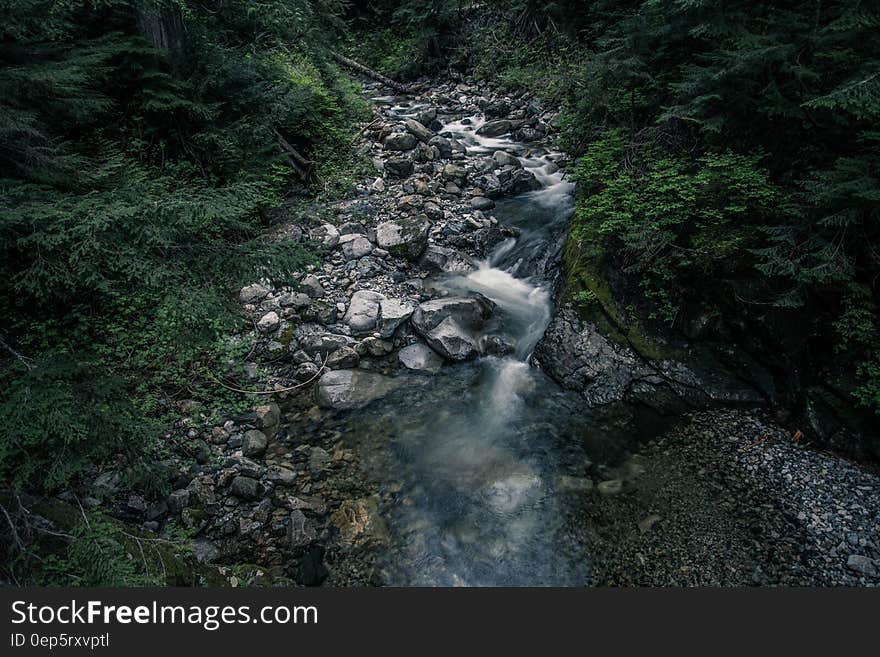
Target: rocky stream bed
(454, 427)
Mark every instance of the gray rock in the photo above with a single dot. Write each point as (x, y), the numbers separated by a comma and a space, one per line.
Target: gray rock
(419, 131)
(443, 145)
(374, 347)
(204, 550)
(400, 141)
(254, 443)
(470, 312)
(362, 316)
(368, 266)
(862, 564)
(505, 159)
(305, 372)
(323, 343)
(442, 258)
(294, 300)
(268, 322)
(343, 358)
(357, 248)
(392, 313)
(579, 357)
(495, 128)
(280, 475)
(347, 389)
(420, 358)
(312, 286)
(319, 311)
(319, 459)
(404, 238)
(451, 340)
(497, 108)
(246, 488)
(253, 293)
(482, 203)
(178, 499)
(399, 167)
(455, 174)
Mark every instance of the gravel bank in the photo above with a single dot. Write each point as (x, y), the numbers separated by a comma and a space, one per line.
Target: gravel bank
(726, 498)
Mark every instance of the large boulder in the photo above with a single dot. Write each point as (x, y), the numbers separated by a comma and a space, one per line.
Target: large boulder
(400, 141)
(347, 389)
(405, 238)
(495, 128)
(362, 316)
(577, 355)
(449, 325)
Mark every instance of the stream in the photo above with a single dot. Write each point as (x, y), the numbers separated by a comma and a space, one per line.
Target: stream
(485, 459)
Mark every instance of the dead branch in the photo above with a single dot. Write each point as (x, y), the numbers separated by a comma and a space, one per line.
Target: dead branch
(270, 392)
(370, 73)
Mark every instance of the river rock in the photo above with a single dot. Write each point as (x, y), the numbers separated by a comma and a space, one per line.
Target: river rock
(323, 343)
(246, 488)
(405, 238)
(399, 167)
(494, 128)
(268, 322)
(254, 443)
(505, 159)
(357, 248)
(281, 475)
(347, 389)
(343, 358)
(443, 145)
(420, 358)
(312, 286)
(400, 141)
(392, 313)
(449, 324)
(419, 131)
(253, 293)
(575, 353)
(455, 174)
(442, 258)
(295, 300)
(362, 316)
(482, 203)
(359, 522)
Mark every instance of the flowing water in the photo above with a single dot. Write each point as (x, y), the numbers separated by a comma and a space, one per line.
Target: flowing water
(485, 460)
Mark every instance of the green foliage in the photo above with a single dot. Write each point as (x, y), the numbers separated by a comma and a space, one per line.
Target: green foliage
(140, 170)
(97, 550)
(672, 217)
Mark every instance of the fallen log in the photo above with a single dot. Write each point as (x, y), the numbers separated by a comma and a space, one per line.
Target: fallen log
(304, 168)
(370, 73)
